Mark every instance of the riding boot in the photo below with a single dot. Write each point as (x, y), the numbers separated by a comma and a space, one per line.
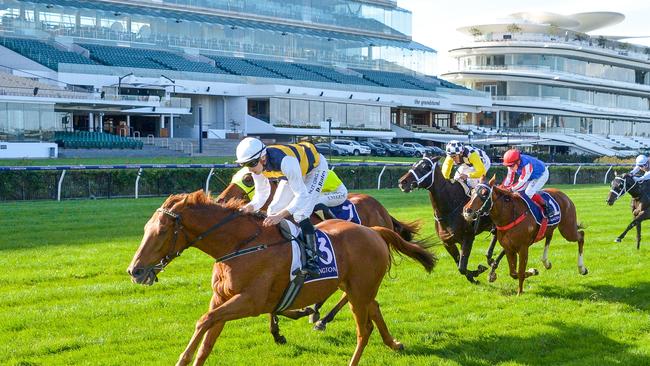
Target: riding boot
(540, 201)
(310, 262)
(327, 213)
(548, 211)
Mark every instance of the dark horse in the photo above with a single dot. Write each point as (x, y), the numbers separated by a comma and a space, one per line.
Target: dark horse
(517, 228)
(640, 202)
(253, 263)
(447, 199)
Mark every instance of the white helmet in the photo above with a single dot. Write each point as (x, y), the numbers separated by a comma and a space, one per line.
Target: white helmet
(454, 147)
(641, 160)
(249, 149)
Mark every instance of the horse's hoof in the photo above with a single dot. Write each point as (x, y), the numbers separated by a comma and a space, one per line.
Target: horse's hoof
(584, 271)
(397, 346)
(320, 325)
(490, 260)
(547, 264)
(617, 240)
(281, 340)
(313, 318)
(481, 268)
(533, 272)
(492, 276)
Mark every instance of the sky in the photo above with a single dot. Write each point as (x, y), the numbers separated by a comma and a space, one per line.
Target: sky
(435, 22)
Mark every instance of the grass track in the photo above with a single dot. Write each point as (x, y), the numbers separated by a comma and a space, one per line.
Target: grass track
(65, 298)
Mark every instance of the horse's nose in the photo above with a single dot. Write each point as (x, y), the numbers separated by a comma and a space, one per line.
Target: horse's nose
(135, 272)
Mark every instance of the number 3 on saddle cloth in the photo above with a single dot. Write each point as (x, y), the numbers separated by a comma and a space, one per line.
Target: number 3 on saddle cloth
(346, 211)
(536, 210)
(327, 266)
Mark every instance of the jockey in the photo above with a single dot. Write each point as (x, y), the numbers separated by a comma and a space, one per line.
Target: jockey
(642, 165)
(473, 163)
(305, 170)
(334, 191)
(533, 174)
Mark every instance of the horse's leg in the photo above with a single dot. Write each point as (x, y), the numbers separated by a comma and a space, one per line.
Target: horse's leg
(571, 232)
(490, 250)
(322, 324)
(208, 343)
(522, 273)
(239, 306)
(547, 244)
(512, 263)
(313, 317)
(466, 251)
(210, 336)
(638, 235)
(495, 264)
(364, 328)
(274, 327)
(629, 227)
(378, 319)
(453, 251)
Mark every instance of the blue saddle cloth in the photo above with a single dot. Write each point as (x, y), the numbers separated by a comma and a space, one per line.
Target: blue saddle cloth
(346, 211)
(327, 258)
(537, 211)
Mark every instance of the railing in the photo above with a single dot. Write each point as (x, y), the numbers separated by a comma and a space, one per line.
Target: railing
(141, 167)
(45, 93)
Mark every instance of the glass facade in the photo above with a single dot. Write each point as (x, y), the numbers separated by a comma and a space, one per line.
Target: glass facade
(350, 43)
(550, 63)
(305, 113)
(28, 119)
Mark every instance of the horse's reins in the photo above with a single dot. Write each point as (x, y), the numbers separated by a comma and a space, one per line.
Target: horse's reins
(178, 227)
(625, 189)
(485, 209)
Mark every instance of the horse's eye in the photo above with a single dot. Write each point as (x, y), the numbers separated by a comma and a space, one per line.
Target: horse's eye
(507, 199)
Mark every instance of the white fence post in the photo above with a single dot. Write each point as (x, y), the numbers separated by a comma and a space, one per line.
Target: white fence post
(58, 191)
(137, 183)
(379, 178)
(610, 168)
(575, 176)
(207, 181)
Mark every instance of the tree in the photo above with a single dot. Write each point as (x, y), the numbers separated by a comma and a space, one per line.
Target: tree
(514, 28)
(234, 125)
(602, 41)
(474, 31)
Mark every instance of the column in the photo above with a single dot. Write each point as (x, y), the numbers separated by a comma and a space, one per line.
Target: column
(171, 125)
(91, 122)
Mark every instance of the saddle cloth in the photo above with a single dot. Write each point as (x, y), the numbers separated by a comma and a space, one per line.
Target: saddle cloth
(326, 265)
(346, 211)
(536, 210)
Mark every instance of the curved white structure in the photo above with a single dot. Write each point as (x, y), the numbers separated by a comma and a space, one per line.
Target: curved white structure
(545, 73)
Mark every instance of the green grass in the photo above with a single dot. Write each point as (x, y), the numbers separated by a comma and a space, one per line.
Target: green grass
(177, 160)
(65, 298)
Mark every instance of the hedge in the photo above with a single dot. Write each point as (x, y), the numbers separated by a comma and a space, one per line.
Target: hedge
(35, 185)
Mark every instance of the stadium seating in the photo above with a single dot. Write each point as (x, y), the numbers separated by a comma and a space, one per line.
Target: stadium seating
(145, 58)
(240, 66)
(94, 140)
(42, 52)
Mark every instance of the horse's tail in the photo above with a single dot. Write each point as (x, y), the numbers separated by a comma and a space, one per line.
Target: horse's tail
(407, 230)
(415, 250)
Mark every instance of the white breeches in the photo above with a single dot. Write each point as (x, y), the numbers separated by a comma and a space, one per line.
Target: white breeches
(536, 185)
(334, 198)
(314, 181)
(468, 170)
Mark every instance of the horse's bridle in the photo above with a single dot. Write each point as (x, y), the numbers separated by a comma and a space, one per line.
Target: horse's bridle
(178, 227)
(421, 179)
(487, 201)
(625, 189)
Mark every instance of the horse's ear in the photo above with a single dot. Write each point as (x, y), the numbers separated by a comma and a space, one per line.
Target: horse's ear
(615, 173)
(494, 178)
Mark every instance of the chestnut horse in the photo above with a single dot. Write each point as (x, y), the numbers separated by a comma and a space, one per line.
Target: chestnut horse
(253, 263)
(371, 213)
(447, 200)
(517, 228)
(640, 203)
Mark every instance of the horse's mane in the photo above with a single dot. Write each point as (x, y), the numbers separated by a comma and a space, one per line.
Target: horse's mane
(199, 199)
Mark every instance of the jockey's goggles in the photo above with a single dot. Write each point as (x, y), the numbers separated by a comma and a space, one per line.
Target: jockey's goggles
(251, 163)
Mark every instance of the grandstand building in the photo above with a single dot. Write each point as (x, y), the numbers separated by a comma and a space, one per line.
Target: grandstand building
(276, 69)
(551, 80)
